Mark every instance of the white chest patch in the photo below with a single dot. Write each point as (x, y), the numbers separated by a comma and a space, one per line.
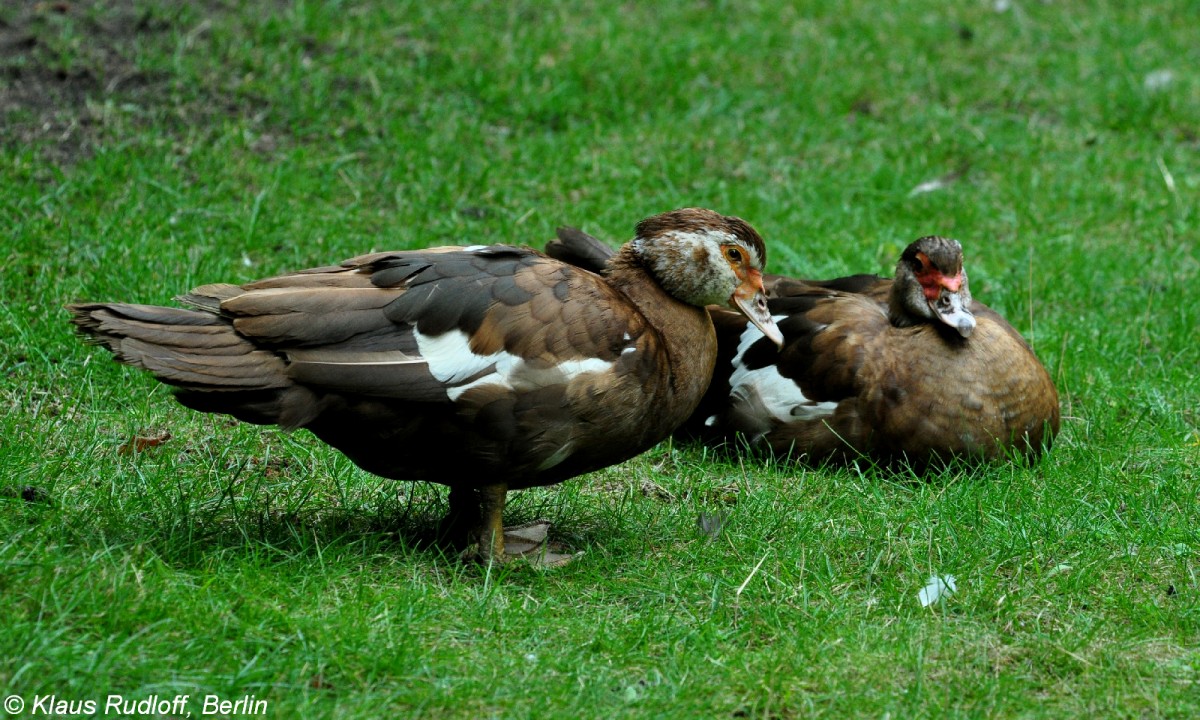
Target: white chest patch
(452, 362)
(779, 396)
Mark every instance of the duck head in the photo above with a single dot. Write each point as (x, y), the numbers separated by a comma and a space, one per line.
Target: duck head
(931, 284)
(704, 258)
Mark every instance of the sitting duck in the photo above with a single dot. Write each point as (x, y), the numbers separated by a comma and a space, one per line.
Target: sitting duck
(909, 369)
(483, 368)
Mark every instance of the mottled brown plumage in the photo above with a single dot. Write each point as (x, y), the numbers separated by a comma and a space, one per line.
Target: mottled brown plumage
(485, 369)
(908, 368)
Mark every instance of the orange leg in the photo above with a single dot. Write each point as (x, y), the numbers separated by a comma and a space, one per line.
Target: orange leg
(491, 530)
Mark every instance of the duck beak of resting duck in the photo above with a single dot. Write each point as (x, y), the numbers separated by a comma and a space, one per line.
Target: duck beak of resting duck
(750, 299)
(950, 309)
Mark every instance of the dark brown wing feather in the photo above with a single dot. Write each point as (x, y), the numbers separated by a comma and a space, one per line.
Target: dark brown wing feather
(871, 285)
(575, 247)
(190, 349)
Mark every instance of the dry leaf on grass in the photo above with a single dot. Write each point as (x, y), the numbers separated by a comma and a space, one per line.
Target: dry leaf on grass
(139, 443)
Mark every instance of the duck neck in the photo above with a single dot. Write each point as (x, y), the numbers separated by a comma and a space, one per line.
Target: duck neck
(685, 330)
(898, 313)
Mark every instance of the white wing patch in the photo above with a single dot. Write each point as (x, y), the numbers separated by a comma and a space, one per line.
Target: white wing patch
(452, 362)
(779, 396)
(450, 358)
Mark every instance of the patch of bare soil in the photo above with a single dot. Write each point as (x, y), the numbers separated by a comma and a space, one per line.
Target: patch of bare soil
(69, 70)
(64, 64)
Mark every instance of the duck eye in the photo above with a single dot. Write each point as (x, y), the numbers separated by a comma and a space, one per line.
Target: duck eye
(733, 254)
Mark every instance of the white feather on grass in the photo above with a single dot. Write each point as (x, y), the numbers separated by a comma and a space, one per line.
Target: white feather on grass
(937, 587)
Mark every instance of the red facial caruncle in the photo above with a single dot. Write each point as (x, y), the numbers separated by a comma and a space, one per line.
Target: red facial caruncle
(933, 280)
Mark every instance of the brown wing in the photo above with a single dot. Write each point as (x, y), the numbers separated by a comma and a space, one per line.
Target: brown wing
(804, 398)
(369, 326)
(763, 393)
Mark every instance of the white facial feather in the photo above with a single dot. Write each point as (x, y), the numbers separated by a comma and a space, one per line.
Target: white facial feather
(713, 240)
(708, 283)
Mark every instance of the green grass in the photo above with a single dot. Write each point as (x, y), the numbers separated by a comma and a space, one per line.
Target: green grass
(222, 143)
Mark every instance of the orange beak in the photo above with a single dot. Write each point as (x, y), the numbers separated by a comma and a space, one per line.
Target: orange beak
(750, 299)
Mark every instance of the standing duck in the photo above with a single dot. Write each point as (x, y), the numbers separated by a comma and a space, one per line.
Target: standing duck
(904, 369)
(483, 368)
